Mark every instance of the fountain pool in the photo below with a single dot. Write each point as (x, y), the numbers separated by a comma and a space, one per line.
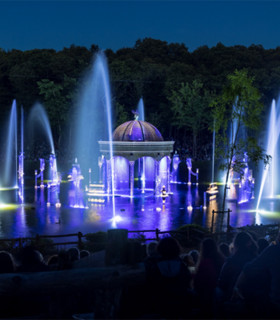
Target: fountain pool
(62, 208)
(142, 212)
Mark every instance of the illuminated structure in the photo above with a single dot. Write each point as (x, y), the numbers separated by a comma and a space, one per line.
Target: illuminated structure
(175, 165)
(141, 159)
(189, 165)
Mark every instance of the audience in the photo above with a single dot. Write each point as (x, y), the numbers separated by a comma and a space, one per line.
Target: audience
(262, 244)
(243, 283)
(224, 249)
(151, 259)
(7, 263)
(31, 260)
(259, 283)
(53, 262)
(206, 277)
(74, 254)
(195, 256)
(84, 254)
(169, 280)
(244, 250)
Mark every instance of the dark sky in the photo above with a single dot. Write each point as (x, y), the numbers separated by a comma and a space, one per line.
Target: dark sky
(116, 24)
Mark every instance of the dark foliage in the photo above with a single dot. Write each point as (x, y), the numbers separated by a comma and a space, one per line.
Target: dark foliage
(152, 69)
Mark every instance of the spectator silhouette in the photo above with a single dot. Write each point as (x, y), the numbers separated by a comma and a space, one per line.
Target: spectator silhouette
(244, 250)
(7, 263)
(206, 277)
(170, 280)
(74, 254)
(31, 260)
(53, 262)
(84, 254)
(64, 261)
(259, 283)
(195, 256)
(224, 249)
(151, 259)
(262, 244)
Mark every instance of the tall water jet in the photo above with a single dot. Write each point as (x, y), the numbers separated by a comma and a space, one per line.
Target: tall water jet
(21, 161)
(38, 120)
(141, 110)
(213, 154)
(141, 117)
(94, 120)
(10, 166)
(268, 185)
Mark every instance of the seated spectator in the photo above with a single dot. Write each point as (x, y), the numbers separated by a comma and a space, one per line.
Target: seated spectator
(170, 280)
(84, 253)
(245, 250)
(259, 283)
(64, 261)
(74, 254)
(31, 260)
(195, 255)
(224, 249)
(151, 259)
(262, 244)
(188, 260)
(53, 262)
(151, 249)
(206, 277)
(7, 263)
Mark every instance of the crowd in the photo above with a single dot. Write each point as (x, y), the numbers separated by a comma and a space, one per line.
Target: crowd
(28, 259)
(220, 281)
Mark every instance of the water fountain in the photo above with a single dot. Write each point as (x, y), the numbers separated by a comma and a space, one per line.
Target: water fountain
(268, 186)
(21, 162)
(9, 172)
(41, 174)
(38, 122)
(141, 168)
(141, 117)
(76, 196)
(94, 121)
(175, 165)
(196, 174)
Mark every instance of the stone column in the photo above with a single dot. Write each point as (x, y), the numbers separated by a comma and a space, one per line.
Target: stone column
(131, 177)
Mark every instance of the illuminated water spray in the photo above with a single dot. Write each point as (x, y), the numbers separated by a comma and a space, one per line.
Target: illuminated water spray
(21, 162)
(141, 117)
(94, 121)
(39, 121)
(10, 155)
(268, 185)
(213, 154)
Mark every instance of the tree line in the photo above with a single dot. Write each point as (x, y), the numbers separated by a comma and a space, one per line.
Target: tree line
(177, 86)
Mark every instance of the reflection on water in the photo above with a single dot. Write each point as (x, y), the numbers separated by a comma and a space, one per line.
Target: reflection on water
(144, 212)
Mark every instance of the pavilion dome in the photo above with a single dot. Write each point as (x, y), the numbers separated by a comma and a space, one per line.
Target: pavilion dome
(137, 130)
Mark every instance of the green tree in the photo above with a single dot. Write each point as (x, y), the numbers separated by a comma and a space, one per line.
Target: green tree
(121, 115)
(189, 106)
(58, 102)
(237, 108)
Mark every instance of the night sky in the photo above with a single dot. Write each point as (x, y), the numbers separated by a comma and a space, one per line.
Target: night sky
(39, 24)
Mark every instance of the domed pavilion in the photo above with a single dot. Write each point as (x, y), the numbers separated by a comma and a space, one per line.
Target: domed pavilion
(141, 159)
